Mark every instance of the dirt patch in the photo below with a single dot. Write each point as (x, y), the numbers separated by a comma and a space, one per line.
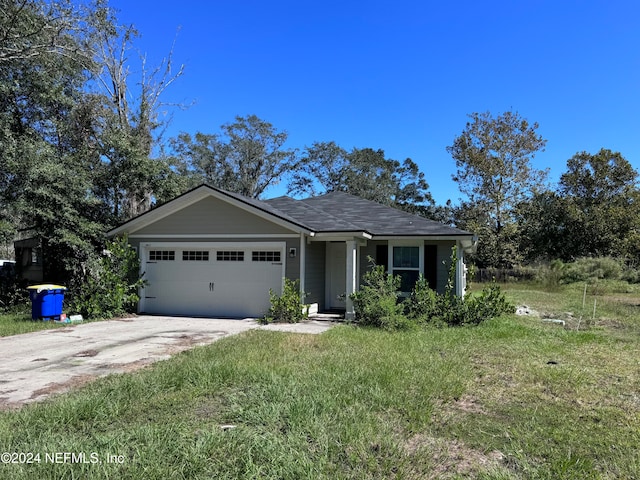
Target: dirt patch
(452, 458)
(62, 387)
(613, 324)
(185, 342)
(468, 404)
(87, 353)
(133, 366)
(455, 411)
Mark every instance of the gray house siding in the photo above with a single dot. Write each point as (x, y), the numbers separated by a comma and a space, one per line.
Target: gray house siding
(366, 251)
(212, 216)
(292, 267)
(315, 273)
(442, 260)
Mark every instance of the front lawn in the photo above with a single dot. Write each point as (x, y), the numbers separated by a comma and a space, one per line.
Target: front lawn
(20, 322)
(512, 398)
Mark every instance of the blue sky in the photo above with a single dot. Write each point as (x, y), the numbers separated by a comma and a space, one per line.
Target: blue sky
(403, 75)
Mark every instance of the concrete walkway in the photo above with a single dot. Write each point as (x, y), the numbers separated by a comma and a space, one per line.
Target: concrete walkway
(35, 365)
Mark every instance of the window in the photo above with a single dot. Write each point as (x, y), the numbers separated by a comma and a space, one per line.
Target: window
(230, 256)
(266, 256)
(161, 255)
(406, 264)
(195, 255)
(35, 256)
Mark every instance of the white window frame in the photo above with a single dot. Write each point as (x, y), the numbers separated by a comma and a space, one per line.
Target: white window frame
(195, 255)
(405, 243)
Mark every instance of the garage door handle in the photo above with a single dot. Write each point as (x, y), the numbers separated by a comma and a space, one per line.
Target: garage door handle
(212, 286)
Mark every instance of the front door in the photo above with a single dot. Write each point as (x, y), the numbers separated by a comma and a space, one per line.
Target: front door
(336, 274)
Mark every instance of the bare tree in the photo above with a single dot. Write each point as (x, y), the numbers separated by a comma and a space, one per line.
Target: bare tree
(132, 120)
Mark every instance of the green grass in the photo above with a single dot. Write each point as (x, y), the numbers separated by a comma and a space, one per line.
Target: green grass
(20, 322)
(513, 398)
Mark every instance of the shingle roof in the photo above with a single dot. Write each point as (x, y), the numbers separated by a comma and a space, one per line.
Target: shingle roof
(314, 218)
(329, 213)
(339, 211)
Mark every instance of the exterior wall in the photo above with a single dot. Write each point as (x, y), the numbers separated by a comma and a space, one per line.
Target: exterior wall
(443, 259)
(29, 261)
(292, 265)
(443, 262)
(366, 251)
(212, 216)
(315, 273)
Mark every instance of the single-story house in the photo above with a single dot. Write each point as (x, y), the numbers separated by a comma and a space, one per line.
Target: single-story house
(210, 252)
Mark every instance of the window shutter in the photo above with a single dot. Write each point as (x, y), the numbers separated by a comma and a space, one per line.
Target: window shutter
(382, 256)
(431, 265)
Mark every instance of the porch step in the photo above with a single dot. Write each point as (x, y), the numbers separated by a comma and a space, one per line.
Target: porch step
(327, 316)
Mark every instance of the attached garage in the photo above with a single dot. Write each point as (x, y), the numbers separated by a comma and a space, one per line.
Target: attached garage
(211, 279)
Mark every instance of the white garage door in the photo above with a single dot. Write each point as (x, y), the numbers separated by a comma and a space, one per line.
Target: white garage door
(215, 280)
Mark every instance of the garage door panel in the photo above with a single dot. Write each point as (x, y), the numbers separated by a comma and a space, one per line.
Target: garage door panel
(219, 286)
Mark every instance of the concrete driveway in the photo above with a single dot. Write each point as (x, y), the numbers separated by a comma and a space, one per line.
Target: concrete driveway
(35, 365)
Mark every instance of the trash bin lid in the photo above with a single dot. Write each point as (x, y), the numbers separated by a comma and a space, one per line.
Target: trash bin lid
(46, 286)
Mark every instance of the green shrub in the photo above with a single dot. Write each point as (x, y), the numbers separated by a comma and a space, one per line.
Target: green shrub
(111, 285)
(422, 304)
(13, 295)
(288, 307)
(490, 303)
(550, 274)
(590, 269)
(631, 274)
(453, 310)
(376, 303)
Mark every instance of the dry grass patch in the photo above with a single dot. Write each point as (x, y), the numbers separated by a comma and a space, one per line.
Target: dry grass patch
(452, 458)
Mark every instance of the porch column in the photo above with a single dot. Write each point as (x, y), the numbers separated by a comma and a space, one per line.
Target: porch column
(461, 274)
(352, 263)
(303, 261)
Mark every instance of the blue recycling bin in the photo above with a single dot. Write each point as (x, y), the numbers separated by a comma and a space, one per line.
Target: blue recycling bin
(46, 301)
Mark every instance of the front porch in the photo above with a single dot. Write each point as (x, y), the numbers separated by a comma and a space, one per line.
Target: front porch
(332, 266)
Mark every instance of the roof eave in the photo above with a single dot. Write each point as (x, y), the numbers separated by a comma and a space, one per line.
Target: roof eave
(430, 236)
(343, 233)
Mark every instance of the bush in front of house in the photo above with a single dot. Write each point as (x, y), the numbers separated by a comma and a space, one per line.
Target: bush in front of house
(111, 284)
(423, 303)
(13, 296)
(288, 307)
(376, 303)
